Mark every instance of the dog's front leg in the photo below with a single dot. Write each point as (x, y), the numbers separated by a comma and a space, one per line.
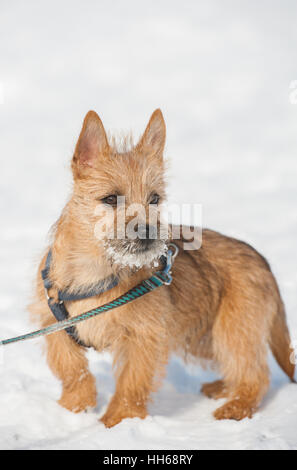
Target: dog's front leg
(140, 364)
(68, 362)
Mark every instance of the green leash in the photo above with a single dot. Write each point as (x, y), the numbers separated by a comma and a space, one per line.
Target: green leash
(160, 278)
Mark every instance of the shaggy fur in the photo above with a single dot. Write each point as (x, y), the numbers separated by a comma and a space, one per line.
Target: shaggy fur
(223, 304)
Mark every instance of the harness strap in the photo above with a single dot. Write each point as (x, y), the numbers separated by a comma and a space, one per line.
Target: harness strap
(59, 310)
(61, 313)
(159, 278)
(91, 291)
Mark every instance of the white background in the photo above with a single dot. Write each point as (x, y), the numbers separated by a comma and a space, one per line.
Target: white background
(220, 71)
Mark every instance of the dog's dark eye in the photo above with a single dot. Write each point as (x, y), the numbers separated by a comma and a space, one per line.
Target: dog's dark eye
(111, 200)
(155, 199)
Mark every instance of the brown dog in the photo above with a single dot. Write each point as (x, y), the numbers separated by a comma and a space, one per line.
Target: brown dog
(223, 304)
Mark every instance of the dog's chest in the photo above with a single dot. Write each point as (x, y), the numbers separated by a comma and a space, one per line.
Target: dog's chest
(101, 331)
(135, 321)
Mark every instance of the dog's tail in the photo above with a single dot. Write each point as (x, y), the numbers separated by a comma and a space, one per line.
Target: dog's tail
(280, 342)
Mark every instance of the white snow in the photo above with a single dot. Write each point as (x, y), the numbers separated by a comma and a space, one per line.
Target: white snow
(221, 72)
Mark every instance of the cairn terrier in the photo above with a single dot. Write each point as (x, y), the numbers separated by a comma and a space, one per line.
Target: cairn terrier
(223, 304)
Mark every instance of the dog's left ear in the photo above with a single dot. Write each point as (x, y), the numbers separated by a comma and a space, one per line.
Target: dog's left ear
(155, 134)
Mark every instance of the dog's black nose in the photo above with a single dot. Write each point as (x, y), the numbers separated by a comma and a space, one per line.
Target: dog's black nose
(146, 232)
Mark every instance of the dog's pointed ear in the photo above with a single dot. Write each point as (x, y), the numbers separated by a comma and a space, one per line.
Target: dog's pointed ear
(91, 144)
(155, 134)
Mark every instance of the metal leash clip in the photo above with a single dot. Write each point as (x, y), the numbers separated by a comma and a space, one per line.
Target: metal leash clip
(171, 255)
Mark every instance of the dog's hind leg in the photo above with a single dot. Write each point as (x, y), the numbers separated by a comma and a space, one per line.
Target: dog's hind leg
(68, 362)
(240, 347)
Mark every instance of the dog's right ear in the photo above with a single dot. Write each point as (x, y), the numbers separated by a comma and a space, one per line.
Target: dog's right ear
(91, 144)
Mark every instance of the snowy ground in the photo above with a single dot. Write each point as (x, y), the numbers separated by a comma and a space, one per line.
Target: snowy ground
(220, 71)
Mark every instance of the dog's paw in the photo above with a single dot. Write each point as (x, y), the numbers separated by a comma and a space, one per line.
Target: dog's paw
(75, 403)
(110, 419)
(215, 390)
(81, 397)
(235, 409)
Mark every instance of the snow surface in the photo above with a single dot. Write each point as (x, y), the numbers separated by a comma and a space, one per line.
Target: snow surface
(221, 73)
